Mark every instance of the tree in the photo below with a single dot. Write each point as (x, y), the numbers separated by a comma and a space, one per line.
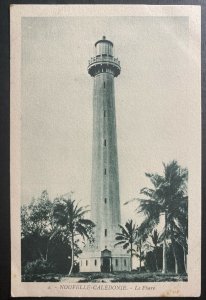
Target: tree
(139, 245)
(36, 227)
(180, 233)
(168, 196)
(127, 237)
(70, 220)
(155, 241)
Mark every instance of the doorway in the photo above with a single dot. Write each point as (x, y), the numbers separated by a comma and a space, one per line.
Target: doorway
(106, 268)
(106, 261)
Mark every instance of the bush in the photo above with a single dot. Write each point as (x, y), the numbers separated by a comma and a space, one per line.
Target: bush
(38, 267)
(142, 270)
(75, 267)
(150, 264)
(58, 254)
(40, 278)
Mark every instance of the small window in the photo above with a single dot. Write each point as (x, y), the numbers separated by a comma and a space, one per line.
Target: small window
(125, 263)
(86, 262)
(105, 143)
(116, 262)
(105, 200)
(105, 232)
(105, 171)
(104, 113)
(95, 262)
(104, 84)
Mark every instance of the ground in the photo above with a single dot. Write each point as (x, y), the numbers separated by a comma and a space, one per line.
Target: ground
(109, 277)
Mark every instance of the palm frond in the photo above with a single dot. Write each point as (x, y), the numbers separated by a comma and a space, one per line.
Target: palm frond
(119, 243)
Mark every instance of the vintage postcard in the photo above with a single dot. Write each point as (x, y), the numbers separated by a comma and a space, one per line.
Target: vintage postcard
(105, 150)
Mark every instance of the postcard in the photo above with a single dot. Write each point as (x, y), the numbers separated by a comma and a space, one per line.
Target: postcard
(105, 150)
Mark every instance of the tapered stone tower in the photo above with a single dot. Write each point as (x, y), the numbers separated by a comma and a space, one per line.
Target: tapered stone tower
(105, 202)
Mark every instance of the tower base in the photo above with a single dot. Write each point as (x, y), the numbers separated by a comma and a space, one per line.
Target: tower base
(105, 261)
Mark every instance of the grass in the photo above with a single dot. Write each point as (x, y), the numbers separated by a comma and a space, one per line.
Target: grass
(41, 277)
(133, 276)
(130, 277)
(149, 277)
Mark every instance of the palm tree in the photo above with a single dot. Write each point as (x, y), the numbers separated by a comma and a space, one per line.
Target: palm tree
(155, 239)
(70, 220)
(168, 197)
(139, 244)
(127, 237)
(181, 231)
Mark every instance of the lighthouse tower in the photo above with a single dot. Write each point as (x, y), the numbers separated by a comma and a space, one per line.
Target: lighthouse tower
(105, 202)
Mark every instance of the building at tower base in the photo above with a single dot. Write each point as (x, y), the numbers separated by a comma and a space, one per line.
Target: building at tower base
(104, 261)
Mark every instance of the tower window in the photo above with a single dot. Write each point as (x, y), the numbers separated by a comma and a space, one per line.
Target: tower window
(95, 262)
(86, 262)
(105, 200)
(125, 262)
(104, 84)
(116, 262)
(104, 113)
(105, 171)
(105, 142)
(105, 232)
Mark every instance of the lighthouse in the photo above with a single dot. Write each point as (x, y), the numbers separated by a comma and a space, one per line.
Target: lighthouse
(102, 255)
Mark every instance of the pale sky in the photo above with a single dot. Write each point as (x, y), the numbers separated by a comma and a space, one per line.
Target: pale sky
(152, 110)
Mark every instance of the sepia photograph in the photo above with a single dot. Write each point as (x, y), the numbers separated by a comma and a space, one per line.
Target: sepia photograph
(105, 150)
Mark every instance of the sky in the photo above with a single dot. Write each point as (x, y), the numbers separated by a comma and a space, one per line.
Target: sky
(151, 96)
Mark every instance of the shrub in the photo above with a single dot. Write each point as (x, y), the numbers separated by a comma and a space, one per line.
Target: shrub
(38, 267)
(150, 262)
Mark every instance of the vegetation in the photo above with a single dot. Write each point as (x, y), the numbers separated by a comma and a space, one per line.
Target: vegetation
(70, 221)
(36, 228)
(54, 232)
(152, 244)
(167, 197)
(127, 276)
(127, 237)
(50, 232)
